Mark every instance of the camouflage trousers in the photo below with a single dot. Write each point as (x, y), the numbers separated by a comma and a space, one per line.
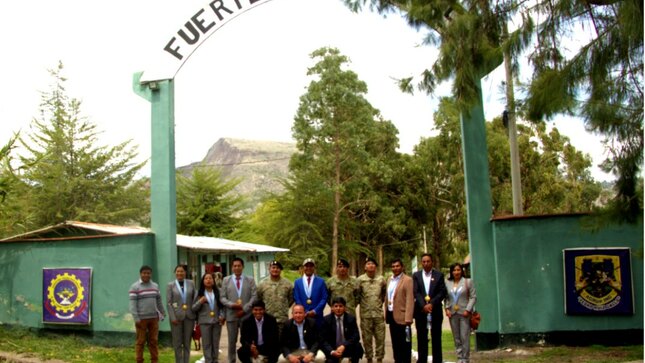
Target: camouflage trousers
(373, 333)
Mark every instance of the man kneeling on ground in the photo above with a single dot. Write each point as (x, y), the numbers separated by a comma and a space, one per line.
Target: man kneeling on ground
(340, 337)
(299, 337)
(259, 336)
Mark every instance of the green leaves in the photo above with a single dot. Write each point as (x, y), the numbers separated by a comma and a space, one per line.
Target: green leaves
(344, 164)
(205, 204)
(67, 175)
(586, 59)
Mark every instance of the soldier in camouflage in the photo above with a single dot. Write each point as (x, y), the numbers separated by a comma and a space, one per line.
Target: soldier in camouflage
(343, 285)
(371, 296)
(277, 294)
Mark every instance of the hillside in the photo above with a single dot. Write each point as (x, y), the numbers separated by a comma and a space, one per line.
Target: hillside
(260, 165)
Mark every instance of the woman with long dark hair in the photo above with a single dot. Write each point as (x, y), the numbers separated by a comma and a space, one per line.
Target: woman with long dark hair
(459, 304)
(210, 316)
(180, 294)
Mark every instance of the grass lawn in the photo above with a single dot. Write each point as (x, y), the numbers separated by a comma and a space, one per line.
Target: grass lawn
(546, 354)
(74, 349)
(447, 345)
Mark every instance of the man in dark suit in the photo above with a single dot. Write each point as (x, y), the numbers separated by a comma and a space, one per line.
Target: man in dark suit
(299, 340)
(340, 337)
(429, 293)
(310, 291)
(259, 336)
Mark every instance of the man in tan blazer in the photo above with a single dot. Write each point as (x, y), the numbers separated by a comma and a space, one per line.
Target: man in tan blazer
(399, 310)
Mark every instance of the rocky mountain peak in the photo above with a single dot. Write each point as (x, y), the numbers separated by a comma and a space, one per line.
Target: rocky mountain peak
(260, 165)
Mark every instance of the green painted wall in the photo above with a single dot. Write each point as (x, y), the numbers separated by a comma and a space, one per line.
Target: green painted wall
(163, 203)
(517, 264)
(478, 201)
(115, 263)
(530, 273)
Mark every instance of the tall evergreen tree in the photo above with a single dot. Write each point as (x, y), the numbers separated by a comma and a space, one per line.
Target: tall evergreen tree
(205, 204)
(15, 216)
(602, 81)
(70, 177)
(557, 178)
(7, 175)
(333, 127)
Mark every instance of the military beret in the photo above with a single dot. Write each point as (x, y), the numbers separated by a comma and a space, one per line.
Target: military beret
(342, 261)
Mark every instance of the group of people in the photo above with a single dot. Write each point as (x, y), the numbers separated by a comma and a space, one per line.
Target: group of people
(421, 298)
(259, 315)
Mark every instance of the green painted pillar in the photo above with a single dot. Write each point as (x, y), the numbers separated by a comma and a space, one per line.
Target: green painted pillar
(163, 202)
(479, 205)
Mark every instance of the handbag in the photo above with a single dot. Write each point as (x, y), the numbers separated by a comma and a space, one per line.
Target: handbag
(475, 319)
(475, 316)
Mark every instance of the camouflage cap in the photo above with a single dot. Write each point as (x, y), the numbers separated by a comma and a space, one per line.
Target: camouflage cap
(308, 260)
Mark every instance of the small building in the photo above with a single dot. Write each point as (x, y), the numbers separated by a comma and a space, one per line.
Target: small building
(212, 254)
(112, 255)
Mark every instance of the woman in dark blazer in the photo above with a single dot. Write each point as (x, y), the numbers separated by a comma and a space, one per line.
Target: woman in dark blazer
(210, 316)
(180, 294)
(459, 304)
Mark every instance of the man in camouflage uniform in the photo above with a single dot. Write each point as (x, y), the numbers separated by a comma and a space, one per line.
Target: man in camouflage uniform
(277, 294)
(371, 296)
(343, 285)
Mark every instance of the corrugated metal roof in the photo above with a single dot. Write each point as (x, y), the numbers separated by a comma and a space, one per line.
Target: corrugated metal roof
(211, 244)
(223, 245)
(110, 228)
(107, 229)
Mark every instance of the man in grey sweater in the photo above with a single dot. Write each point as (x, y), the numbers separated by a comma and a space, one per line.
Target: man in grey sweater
(146, 309)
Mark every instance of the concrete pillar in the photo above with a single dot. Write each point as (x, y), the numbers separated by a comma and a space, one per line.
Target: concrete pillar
(479, 205)
(163, 202)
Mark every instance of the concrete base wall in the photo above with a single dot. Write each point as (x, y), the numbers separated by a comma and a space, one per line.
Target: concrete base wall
(115, 263)
(530, 282)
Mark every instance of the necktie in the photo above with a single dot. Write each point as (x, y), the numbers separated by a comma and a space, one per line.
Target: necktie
(339, 332)
(308, 280)
(237, 282)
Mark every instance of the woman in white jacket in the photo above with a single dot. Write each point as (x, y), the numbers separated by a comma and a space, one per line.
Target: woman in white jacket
(459, 304)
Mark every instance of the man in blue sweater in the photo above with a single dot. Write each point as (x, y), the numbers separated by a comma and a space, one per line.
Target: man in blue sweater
(146, 309)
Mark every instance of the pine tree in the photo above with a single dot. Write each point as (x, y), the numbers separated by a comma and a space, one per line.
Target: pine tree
(205, 204)
(69, 176)
(334, 127)
(602, 81)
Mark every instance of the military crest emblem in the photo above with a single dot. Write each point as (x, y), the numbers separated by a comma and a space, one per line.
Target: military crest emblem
(66, 296)
(598, 281)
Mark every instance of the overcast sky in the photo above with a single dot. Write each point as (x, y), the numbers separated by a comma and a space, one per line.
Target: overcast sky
(243, 82)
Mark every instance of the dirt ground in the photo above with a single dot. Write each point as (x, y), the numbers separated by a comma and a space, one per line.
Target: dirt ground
(551, 354)
(21, 358)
